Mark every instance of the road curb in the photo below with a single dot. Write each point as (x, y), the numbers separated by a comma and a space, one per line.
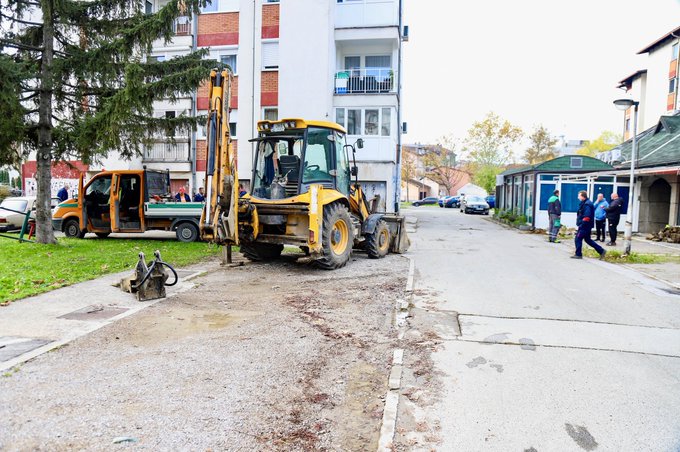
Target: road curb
(390, 412)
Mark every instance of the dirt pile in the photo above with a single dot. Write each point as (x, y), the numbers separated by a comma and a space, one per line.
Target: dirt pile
(669, 234)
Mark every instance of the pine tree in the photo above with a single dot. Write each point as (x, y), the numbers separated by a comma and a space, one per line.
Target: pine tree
(75, 83)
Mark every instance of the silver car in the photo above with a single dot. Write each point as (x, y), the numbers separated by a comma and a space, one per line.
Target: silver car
(474, 204)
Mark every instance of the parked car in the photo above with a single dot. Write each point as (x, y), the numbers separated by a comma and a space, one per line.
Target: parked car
(11, 220)
(453, 202)
(425, 201)
(491, 201)
(474, 204)
(442, 201)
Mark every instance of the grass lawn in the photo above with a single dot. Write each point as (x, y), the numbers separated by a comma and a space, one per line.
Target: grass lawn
(28, 269)
(633, 258)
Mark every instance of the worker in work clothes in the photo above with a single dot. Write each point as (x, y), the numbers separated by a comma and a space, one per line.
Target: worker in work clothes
(600, 217)
(63, 193)
(182, 196)
(613, 217)
(200, 196)
(584, 220)
(554, 216)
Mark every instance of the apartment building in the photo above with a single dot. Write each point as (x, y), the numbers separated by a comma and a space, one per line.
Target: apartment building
(656, 85)
(333, 60)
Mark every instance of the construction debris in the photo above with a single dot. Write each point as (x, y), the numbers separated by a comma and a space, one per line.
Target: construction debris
(669, 234)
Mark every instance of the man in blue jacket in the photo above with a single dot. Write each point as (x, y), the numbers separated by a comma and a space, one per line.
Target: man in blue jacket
(600, 217)
(585, 218)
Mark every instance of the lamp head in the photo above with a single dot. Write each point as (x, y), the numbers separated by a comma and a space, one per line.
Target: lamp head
(624, 104)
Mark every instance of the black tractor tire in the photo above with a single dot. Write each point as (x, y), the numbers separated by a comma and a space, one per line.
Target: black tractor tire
(257, 252)
(187, 232)
(102, 235)
(337, 237)
(378, 243)
(72, 229)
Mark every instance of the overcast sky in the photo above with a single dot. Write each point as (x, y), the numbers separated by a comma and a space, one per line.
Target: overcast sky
(550, 62)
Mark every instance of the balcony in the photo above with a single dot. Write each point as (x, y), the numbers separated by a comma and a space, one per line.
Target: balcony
(167, 151)
(182, 40)
(182, 26)
(367, 13)
(365, 81)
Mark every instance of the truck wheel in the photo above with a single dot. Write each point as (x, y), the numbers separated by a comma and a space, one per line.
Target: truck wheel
(102, 235)
(337, 237)
(187, 232)
(378, 243)
(72, 229)
(257, 252)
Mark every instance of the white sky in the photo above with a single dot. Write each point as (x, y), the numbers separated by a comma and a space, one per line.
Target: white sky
(550, 62)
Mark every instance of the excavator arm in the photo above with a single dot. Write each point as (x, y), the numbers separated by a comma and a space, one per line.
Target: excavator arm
(219, 220)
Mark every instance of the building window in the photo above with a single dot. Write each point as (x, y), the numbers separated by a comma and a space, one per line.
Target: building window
(576, 162)
(270, 55)
(672, 85)
(371, 122)
(148, 7)
(378, 61)
(627, 124)
(340, 116)
(155, 59)
(211, 6)
(232, 129)
(675, 51)
(386, 122)
(376, 121)
(229, 60)
(353, 63)
(353, 122)
(270, 114)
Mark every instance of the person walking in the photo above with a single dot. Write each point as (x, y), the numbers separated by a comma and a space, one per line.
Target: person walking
(584, 221)
(63, 193)
(554, 216)
(600, 217)
(613, 217)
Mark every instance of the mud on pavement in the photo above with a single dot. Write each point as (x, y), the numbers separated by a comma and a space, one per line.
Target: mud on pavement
(274, 356)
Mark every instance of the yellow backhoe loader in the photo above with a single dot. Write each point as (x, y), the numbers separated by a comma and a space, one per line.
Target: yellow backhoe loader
(302, 193)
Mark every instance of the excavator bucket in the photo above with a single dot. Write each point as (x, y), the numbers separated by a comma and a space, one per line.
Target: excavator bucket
(399, 239)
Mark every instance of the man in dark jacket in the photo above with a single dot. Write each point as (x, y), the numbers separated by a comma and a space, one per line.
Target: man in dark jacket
(63, 193)
(613, 217)
(554, 215)
(585, 218)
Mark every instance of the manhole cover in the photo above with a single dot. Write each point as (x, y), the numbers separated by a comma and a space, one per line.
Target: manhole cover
(11, 347)
(94, 312)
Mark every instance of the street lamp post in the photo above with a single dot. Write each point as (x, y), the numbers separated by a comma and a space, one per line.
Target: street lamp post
(625, 104)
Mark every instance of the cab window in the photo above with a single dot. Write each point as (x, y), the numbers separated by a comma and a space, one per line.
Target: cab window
(318, 156)
(100, 185)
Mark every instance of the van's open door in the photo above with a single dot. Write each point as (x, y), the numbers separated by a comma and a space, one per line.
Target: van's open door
(82, 208)
(114, 203)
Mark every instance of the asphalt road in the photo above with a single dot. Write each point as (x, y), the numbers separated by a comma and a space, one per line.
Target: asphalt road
(554, 354)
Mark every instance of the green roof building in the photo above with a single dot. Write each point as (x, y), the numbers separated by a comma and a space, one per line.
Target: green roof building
(526, 190)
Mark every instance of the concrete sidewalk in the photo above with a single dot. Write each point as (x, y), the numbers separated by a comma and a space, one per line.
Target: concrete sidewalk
(35, 325)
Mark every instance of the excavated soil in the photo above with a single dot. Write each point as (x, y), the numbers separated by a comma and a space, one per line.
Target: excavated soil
(276, 356)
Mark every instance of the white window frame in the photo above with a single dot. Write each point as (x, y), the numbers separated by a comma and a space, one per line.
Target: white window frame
(264, 110)
(362, 126)
(233, 53)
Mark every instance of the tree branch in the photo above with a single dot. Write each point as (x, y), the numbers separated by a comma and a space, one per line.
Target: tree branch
(16, 45)
(25, 22)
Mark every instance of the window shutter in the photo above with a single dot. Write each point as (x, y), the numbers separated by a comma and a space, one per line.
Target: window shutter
(270, 55)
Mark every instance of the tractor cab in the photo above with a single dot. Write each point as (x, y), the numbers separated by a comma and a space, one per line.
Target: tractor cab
(291, 155)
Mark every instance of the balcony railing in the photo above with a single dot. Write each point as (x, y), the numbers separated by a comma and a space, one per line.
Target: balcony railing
(182, 26)
(365, 81)
(166, 151)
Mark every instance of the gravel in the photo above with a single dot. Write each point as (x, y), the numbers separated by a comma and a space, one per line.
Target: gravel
(274, 356)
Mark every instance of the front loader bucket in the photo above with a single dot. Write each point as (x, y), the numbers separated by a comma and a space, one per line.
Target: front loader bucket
(399, 239)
